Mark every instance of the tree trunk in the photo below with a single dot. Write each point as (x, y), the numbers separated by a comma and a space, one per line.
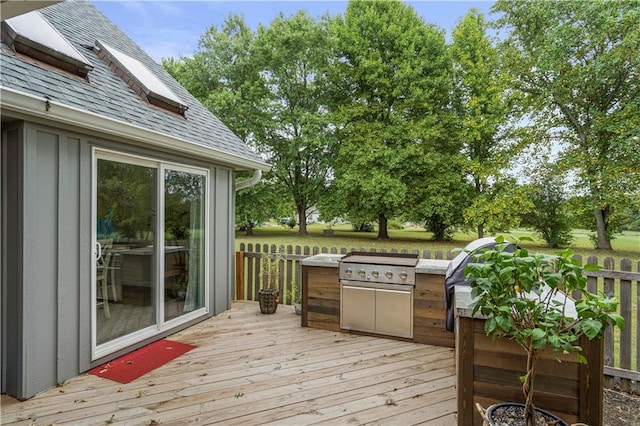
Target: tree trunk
(302, 220)
(383, 233)
(527, 386)
(603, 242)
(478, 185)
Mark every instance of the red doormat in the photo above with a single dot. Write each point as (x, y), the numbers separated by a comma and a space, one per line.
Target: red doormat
(133, 365)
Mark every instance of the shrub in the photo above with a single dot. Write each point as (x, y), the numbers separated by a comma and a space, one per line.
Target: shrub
(523, 297)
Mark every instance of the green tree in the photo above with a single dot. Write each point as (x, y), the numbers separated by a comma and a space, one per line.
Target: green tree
(126, 200)
(390, 103)
(483, 109)
(267, 86)
(623, 217)
(224, 77)
(256, 204)
(501, 207)
(579, 211)
(578, 67)
(297, 137)
(549, 215)
(441, 203)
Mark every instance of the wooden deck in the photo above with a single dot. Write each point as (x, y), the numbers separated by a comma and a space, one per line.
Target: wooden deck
(250, 368)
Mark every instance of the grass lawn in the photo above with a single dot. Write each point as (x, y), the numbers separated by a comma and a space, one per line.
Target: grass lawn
(626, 244)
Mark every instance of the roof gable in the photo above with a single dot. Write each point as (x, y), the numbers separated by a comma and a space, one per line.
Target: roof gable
(105, 94)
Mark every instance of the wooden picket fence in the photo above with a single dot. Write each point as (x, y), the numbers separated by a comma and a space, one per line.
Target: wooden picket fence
(259, 265)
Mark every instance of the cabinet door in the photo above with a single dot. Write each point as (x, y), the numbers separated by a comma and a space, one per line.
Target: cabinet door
(357, 308)
(394, 313)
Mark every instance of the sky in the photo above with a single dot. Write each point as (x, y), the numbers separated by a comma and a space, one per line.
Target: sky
(172, 28)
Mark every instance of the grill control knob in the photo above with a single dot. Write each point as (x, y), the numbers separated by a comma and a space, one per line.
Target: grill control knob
(375, 273)
(362, 273)
(388, 274)
(403, 275)
(348, 272)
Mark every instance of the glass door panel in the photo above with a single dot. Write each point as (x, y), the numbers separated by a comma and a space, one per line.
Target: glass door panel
(184, 233)
(126, 246)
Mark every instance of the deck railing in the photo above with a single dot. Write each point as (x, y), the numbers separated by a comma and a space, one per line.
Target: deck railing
(622, 280)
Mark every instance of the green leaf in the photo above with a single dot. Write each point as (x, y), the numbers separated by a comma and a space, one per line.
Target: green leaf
(505, 323)
(589, 267)
(618, 320)
(539, 338)
(506, 273)
(591, 328)
(490, 325)
(581, 359)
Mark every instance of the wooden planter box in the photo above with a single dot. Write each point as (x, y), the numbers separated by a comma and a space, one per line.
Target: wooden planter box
(489, 371)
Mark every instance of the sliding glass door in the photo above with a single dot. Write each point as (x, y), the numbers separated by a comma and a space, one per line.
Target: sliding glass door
(144, 284)
(183, 242)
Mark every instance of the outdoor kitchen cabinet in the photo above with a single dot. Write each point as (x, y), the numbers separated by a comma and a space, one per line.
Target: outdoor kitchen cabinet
(321, 298)
(377, 310)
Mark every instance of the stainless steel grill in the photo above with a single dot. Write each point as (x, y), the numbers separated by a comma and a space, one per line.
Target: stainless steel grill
(388, 268)
(376, 293)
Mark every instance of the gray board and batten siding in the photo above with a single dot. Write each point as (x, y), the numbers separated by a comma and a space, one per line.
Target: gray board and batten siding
(48, 264)
(51, 123)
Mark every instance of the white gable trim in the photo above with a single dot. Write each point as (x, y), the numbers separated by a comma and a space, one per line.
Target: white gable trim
(13, 100)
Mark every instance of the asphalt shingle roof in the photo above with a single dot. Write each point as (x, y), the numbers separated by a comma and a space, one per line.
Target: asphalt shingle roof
(106, 94)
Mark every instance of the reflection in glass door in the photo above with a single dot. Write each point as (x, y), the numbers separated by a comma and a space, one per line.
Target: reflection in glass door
(144, 284)
(125, 249)
(183, 242)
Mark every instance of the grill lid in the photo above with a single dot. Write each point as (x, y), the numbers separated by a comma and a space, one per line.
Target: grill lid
(389, 268)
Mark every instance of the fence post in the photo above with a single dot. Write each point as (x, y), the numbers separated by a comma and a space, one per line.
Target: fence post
(280, 258)
(239, 275)
(625, 311)
(592, 282)
(577, 294)
(609, 290)
(257, 272)
(637, 319)
(298, 274)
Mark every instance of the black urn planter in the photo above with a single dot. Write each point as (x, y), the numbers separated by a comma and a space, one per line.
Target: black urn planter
(512, 412)
(269, 299)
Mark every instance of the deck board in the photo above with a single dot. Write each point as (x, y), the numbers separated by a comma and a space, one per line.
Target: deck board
(250, 368)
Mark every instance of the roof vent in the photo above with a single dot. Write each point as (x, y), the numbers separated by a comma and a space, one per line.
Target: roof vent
(140, 79)
(32, 35)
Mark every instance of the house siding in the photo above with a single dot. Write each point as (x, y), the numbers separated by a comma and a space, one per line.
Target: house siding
(222, 244)
(40, 236)
(12, 370)
(69, 257)
(47, 279)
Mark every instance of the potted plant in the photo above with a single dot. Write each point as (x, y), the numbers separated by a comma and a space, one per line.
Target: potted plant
(269, 295)
(295, 296)
(524, 297)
